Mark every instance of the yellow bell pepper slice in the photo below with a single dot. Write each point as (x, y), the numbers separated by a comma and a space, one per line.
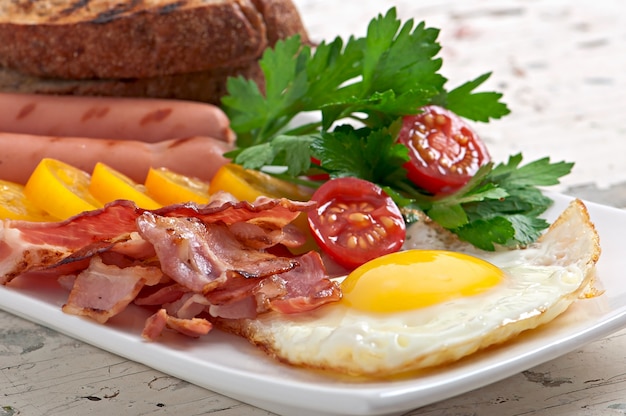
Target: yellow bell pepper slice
(168, 187)
(15, 206)
(108, 184)
(60, 189)
(247, 185)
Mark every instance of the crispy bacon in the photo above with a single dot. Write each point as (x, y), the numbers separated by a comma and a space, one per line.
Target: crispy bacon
(200, 256)
(307, 287)
(102, 291)
(28, 246)
(193, 327)
(187, 306)
(191, 261)
(163, 294)
(156, 323)
(303, 288)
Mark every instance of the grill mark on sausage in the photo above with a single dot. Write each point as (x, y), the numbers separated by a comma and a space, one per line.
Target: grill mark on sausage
(95, 112)
(155, 116)
(179, 142)
(26, 110)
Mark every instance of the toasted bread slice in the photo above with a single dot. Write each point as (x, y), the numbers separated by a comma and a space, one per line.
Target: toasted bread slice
(207, 86)
(100, 39)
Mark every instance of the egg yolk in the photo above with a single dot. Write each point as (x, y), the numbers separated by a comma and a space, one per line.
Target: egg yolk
(414, 279)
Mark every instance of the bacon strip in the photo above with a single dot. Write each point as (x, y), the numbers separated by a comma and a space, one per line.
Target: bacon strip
(200, 256)
(28, 246)
(156, 323)
(164, 294)
(102, 291)
(307, 287)
(195, 261)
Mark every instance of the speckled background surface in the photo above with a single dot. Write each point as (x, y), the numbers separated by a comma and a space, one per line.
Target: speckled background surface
(560, 65)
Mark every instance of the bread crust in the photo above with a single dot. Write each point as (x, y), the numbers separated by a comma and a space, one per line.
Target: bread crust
(141, 38)
(281, 19)
(206, 86)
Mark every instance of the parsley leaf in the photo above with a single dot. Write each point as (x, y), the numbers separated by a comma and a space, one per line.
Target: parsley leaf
(392, 71)
(481, 106)
(363, 153)
(360, 89)
(512, 218)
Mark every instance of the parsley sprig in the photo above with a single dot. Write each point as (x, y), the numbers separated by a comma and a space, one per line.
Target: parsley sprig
(358, 91)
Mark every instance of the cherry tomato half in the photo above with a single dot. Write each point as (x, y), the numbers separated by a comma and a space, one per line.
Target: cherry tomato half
(355, 221)
(445, 152)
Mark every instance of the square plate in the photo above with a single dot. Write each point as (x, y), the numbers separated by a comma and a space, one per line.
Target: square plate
(229, 365)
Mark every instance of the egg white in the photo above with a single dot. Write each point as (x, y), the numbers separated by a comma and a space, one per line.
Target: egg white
(541, 282)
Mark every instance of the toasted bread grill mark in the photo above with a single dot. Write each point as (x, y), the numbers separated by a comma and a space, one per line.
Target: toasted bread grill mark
(169, 8)
(116, 12)
(71, 9)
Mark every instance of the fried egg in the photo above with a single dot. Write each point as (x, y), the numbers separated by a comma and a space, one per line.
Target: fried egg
(435, 302)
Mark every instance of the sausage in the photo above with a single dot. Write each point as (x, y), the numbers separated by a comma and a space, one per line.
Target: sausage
(143, 119)
(195, 156)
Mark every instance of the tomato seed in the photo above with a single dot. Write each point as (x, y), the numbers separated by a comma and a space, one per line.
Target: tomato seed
(358, 218)
(461, 139)
(387, 222)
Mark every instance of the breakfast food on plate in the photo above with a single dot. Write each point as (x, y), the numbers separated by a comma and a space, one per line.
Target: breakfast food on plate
(444, 250)
(195, 156)
(169, 48)
(146, 120)
(193, 261)
(129, 134)
(429, 305)
(200, 266)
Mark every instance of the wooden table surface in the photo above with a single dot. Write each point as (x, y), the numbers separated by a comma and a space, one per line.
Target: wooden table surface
(562, 68)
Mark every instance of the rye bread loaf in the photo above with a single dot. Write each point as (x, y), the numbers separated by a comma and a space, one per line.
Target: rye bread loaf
(134, 39)
(206, 86)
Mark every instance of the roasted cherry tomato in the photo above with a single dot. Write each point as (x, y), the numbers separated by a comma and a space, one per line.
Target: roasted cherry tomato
(445, 152)
(318, 176)
(355, 221)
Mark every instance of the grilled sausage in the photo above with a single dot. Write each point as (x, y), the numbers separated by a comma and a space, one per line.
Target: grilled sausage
(195, 156)
(142, 119)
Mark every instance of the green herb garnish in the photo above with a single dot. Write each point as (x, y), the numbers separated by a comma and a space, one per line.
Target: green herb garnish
(358, 90)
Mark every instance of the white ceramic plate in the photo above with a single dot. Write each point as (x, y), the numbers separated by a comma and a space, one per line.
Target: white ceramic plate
(228, 365)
